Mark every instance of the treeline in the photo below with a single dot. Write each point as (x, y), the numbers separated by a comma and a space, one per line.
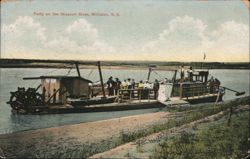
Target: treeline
(36, 63)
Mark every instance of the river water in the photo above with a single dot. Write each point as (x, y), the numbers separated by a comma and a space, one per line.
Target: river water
(10, 79)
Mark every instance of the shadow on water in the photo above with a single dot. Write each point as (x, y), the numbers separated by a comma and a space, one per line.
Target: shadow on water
(30, 122)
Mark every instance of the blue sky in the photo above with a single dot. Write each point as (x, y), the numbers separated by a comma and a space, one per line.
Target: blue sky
(144, 30)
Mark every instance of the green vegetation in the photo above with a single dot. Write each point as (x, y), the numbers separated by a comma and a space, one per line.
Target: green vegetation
(216, 141)
(183, 115)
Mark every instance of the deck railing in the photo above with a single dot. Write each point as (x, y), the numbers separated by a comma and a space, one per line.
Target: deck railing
(135, 94)
(187, 91)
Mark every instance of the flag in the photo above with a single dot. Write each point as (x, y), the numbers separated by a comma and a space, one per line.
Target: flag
(204, 57)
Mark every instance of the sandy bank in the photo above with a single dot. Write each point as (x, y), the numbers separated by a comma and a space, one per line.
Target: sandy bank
(90, 132)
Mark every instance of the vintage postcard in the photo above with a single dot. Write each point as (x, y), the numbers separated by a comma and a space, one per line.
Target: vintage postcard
(124, 79)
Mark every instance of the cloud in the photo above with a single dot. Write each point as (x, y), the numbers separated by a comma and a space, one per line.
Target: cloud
(81, 39)
(23, 35)
(82, 32)
(230, 41)
(26, 38)
(187, 38)
(184, 39)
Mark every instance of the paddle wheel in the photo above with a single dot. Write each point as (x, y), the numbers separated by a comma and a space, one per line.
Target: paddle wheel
(26, 101)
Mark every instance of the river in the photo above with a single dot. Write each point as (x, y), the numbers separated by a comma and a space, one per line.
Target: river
(10, 79)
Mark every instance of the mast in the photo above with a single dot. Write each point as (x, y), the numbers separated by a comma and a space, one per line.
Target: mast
(78, 71)
(174, 76)
(100, 73)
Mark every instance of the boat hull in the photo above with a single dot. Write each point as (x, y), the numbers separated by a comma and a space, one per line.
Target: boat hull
(61, 109)
(107, 107)
(204, 99)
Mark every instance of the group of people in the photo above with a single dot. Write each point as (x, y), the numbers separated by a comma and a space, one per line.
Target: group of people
(189, 72)
(214, 84)
(114, 85)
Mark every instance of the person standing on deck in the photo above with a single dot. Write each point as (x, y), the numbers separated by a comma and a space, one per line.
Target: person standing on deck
(216, 84)
(156, 87)
(140, 89)
(140, 85)
(147, 85)
(129, 83)
(110, 86)
(124, 84)
(129, 86)
(190, 74)
(211, 84)
(133, 83)
(146, 90)
(132, 87)
(117, 85)
(182, 72)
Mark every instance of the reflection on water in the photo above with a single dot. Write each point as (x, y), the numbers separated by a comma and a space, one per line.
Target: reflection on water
(27, 122)
(12, 78)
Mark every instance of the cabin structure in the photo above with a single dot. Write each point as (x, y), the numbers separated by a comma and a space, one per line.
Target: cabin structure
(197, 86)
(56, 89)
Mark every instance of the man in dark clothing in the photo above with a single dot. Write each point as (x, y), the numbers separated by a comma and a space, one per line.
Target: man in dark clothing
(156, 87)
(216, 82)
(190, 74)
(129, 84)
(111, 84)
(117, 85)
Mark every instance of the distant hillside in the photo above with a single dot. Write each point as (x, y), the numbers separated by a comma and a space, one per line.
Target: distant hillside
(35, 63)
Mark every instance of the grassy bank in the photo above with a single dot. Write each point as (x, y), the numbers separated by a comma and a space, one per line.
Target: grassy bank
(142, 144)
(220, 139)
(63, 147)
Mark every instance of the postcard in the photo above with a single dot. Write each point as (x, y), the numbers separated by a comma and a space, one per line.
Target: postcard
(124, 79)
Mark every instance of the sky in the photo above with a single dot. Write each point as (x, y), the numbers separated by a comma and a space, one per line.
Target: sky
(148, 30)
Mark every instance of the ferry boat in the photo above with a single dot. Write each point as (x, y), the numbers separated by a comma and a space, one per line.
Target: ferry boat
(75, 94)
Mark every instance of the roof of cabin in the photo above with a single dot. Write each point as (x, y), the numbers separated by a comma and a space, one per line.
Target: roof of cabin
(58, 77)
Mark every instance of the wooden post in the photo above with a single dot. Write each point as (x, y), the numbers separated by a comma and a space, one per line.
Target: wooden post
(122, 96)
(100, 73)
(174, 77)
(43, 94)
(130, 94)
(140, 91)
(180, 90)
(148, 92)
(78, 71)
(54, 97)
(118, 96)
(149, 72)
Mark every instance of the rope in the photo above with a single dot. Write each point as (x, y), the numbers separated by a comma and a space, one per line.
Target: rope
(51, 71)
(91, 71)
(158, 75)
(69, 72)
